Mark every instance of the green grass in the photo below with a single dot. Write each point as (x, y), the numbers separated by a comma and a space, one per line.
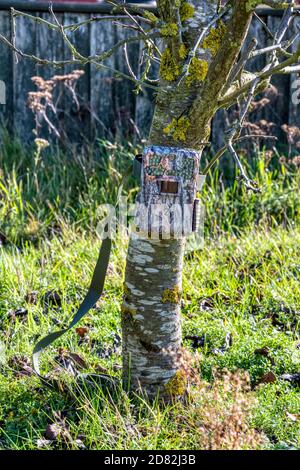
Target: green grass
(243, 283)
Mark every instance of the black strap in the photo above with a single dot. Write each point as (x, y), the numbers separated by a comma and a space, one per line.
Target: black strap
(94, 293)
(92, 296)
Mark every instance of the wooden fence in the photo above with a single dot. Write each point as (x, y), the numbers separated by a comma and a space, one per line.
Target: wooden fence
(110, 107)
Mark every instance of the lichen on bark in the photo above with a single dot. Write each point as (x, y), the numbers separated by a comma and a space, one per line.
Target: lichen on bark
(169, 30)
(197, 71)
(214, 39)
(178, 128)
(169, 68)
(177, 385)
(182, 118)
(152, 267)
(187, 11)
(172, 295)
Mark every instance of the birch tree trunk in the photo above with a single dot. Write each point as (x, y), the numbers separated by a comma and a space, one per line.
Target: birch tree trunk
(151, 321)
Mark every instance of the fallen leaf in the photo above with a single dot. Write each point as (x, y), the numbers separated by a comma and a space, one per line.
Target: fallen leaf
(19, 312)
(197, 341)
(31, 297)
(267, 378)
(104, 352)
(265, 351)
(65, 362)
(262, 351)
(101, 369)
(53, 431)
(82, 331)
(294, 379)
(42, 443)
(53, 298)
(21, 366)
(293, 417)
(58, 428)
(78, 360)
(207, 303)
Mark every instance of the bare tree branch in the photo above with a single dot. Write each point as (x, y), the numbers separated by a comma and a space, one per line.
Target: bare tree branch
(265, 26)
(223, 149)
(80, 60)
(74, 26)
(241, 63)
(282, 67)
(77, 58)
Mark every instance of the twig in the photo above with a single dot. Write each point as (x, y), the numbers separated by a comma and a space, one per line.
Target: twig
(265, 26)
(122, 6)
(241, 63)
(263, 75)
(74, 26)
(274, 47)
(130, 70)
(117, 45)
(146, 37)
(13, 32)
(73, 61)
(223, 149)
(249, 184)
(39, 60)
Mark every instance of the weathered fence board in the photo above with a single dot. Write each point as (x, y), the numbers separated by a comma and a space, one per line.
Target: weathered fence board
(110, 108)
(279, 111)
(6, 110)
(294, 91)
(22, 72)
(124, 98)
(78, 121)
(101, 101)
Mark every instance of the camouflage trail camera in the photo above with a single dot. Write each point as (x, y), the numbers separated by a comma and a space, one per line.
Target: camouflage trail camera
(167, 204)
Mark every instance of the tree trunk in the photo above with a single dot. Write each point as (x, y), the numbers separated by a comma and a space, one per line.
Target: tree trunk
(151, 318)
(151, 314)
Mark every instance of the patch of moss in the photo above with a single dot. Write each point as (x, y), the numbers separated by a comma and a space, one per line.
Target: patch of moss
(172, 296)
(178, 128)
(176, 386)
(182, 51)
(169, 30)
(197, 71)
(214, 39)
(252, 4)
(187, 11)
(150, 16)
(126, 290)
(169, 69)
(127, 311)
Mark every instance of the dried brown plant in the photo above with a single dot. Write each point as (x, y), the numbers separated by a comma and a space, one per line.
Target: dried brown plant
(220, 413)
(45, 102)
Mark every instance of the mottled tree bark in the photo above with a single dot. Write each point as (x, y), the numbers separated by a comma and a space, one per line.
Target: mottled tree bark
(151, 314)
